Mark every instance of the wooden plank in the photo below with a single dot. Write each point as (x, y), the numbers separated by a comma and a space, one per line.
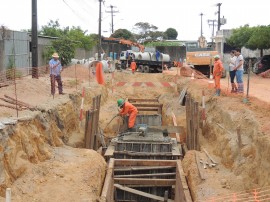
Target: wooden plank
(135, 162)
(181, 188)
(143, 168)
(142, 100)
(146, 175)
(175, 124)
(132, 153)
(143, 181)
(147, 105)
(140, 193)
(182, 96)
(147, 109)
(107, 190)
(109, 151)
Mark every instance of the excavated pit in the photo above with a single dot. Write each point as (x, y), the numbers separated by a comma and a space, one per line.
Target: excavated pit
(31, 144)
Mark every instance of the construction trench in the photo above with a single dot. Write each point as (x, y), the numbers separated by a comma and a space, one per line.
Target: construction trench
(177, 151)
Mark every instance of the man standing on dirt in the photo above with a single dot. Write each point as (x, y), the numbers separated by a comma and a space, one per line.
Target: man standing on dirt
(217, 73)
(128, 109)
(133, 66)
(55, 73)
(239, 68)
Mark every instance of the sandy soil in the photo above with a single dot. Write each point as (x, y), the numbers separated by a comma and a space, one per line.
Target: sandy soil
(60, 178)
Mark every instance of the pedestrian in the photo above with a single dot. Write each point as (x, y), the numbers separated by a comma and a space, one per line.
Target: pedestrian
(232, 71)
(239, 68)
(127, 108)
(55, 74)
(133, 66)
(217, 73)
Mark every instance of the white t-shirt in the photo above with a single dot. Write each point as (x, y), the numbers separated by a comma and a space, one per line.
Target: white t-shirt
(237, 62)
(232, 63)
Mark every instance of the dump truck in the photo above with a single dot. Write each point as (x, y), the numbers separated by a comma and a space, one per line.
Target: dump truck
(147, 62)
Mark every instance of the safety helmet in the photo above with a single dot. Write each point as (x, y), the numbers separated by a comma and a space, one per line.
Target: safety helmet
(120, 102)
(216, 56)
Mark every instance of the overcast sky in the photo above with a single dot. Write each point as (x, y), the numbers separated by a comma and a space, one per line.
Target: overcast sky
(184, 16)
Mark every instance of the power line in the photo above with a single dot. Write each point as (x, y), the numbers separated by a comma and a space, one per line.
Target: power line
(112, 12)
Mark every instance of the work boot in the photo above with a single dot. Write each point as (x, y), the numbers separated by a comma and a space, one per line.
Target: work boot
(217, 92)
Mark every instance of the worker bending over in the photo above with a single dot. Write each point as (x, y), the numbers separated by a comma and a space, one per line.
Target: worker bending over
(217, 73)
(128, 109)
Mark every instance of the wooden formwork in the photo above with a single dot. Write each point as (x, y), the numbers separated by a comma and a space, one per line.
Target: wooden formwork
(145, 180)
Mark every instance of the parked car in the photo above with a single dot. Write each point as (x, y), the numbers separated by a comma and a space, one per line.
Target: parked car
(262, 64)
(246, 63)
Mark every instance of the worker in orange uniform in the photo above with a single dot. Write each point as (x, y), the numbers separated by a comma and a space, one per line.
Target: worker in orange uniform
(133, 66)
(217, 73)
(128, 109)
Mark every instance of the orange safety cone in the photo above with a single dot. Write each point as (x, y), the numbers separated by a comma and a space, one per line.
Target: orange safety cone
(99, 73)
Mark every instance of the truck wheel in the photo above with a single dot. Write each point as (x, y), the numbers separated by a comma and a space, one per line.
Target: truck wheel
(141, 69)
(146, 69)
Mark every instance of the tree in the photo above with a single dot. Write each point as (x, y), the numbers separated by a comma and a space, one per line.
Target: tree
(251, 37)
(259, 38)
(123, 33)
(147, 33)
(65, 48)
(52, 29)
(171, 33)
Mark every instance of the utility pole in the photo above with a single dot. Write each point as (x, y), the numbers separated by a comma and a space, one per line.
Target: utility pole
(201, 14)
(99, 32)
(112, 12)
(34, 40)
(219, 24)
(213, 24)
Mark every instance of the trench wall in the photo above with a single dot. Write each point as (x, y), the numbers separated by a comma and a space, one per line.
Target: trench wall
(31, 139)
(249, 159)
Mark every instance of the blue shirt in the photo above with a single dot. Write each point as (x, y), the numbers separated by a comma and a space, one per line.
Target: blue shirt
(54, 68)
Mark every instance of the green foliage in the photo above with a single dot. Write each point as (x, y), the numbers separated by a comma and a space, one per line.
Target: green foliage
(52, 29)
(78, 35)
(47, 53)
(146, 32)
(65, 48)
(251, 37)
(165, 43)
(123, 33)
(171, 34)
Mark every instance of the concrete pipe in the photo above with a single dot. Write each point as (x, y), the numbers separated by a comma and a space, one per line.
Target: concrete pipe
(144, 56)
(135, 55)
(164, 57)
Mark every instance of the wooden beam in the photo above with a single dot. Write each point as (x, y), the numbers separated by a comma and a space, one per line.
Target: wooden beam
(146, 175)
(143, 181)
(140, 193)
(175, 124)
(143, 168)
(107, 190)
(142, 100)
(147, 105)
(148, 109)
(136, 162)
(132, 153)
